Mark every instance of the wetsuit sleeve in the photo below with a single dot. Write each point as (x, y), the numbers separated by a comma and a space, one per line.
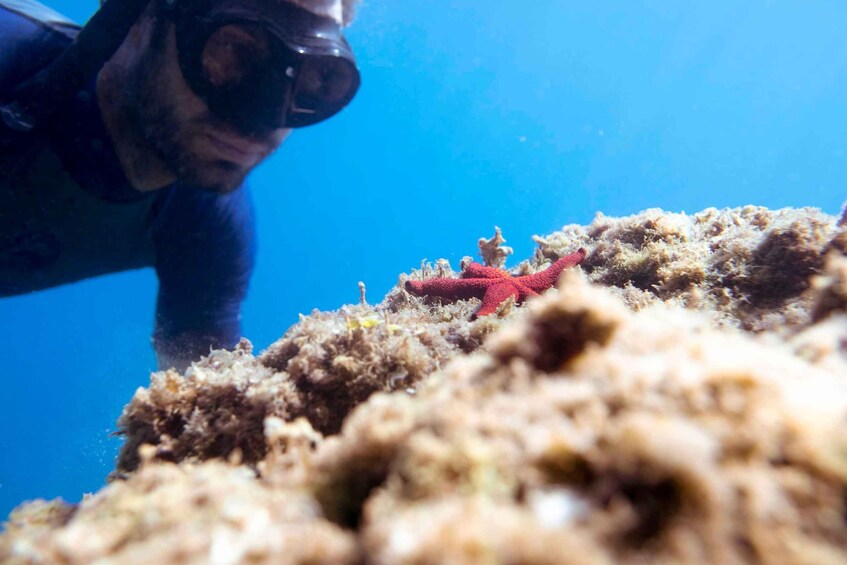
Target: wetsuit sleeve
(205, 251)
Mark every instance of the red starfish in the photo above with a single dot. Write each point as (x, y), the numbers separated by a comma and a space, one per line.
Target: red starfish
(494, 285)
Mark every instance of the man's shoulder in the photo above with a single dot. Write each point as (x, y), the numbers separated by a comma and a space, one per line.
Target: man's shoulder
(197, 228)
(31, 35)
(37, 12)
(212, 214)
(200, 199)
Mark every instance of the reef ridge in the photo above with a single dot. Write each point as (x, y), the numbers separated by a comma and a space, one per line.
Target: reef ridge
(679, 397)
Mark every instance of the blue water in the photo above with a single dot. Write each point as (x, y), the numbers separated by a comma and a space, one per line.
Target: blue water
(471, 114)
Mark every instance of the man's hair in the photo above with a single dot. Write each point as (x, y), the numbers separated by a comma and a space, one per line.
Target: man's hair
(343, 11)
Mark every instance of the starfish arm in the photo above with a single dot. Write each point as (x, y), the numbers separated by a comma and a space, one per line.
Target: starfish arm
(548, 278)
(496, 294)
(524, 291)
(454, 289)
(478, 271)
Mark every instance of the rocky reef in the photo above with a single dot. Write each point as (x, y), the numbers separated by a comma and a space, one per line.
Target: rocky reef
(681, 397)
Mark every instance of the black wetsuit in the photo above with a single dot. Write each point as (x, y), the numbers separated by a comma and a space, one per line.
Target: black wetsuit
(67, 212)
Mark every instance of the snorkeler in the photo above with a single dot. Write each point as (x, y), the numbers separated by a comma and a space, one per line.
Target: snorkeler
(141, 161)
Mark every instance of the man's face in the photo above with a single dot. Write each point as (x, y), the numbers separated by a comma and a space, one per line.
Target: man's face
(200, 148)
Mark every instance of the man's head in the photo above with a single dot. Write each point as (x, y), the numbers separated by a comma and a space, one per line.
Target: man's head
(177, 98)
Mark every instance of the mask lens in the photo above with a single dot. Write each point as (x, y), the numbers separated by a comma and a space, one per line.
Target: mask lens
(324, 85)
(233, 53)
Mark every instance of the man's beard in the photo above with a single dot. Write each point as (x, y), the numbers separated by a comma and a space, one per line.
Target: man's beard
(173, 137)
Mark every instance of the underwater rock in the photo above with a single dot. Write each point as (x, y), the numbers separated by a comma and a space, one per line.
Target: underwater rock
(323, 367)
(583, 427)
(746, 267)
(214, 513)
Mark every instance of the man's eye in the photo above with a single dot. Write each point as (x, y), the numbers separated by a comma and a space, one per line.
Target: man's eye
(232, 53)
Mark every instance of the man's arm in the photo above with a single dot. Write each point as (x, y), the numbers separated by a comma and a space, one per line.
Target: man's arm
(31, 36)
(205, 246)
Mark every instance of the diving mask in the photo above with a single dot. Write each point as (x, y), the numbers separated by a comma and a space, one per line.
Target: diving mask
(263, 64)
